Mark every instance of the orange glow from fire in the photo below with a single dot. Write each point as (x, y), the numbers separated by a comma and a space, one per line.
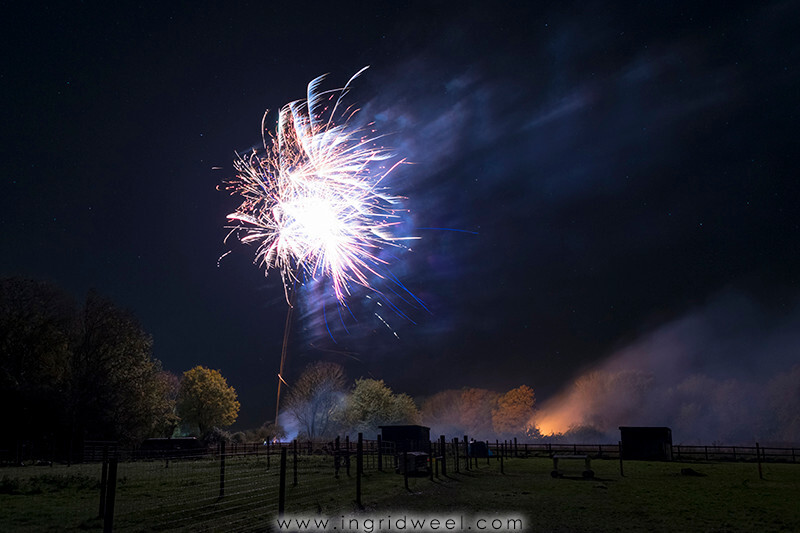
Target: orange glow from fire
(557, 416)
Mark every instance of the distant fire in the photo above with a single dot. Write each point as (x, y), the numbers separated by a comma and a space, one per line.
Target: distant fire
(557, 417)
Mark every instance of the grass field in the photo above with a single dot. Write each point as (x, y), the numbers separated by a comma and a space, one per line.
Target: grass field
(185, 496)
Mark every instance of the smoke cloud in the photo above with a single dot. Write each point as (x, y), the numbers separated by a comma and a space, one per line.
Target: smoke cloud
(726, 373)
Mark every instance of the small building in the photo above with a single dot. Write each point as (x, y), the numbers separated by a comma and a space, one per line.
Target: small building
(479, 448)
(646, 443)
(171, 447)
(411, 446)
(409, 438)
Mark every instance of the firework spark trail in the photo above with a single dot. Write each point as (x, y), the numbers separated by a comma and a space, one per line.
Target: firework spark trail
(312, 202)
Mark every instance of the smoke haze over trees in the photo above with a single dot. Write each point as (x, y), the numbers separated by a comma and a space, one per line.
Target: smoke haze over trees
(372, 403)
(727, 372)
(316, 400)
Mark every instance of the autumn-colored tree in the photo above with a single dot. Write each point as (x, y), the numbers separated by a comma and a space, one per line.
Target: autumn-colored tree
(372, 403)
(477, 413)
(514, 410)
(460, 412)
(442, 413)
(206, 400)
(167, 421)
(316, 398)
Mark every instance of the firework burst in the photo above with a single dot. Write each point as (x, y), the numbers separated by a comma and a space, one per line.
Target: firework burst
(313, 200)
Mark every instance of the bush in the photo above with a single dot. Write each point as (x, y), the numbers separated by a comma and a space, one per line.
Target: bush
(47, 483)
(215, 436)
(9, 486)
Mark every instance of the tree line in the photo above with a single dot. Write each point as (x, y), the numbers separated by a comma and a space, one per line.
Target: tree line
(320, 405)
(74, 372)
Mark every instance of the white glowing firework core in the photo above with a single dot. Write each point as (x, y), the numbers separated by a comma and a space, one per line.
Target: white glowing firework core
(313, 201)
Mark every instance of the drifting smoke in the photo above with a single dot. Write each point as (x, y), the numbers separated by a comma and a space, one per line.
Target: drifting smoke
(727, 373)
(290, 427)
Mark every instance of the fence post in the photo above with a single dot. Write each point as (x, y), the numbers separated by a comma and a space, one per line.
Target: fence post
(502, 467)
(487, 453)
(405, 468)
(222, 469)
(430, 459)
(466, 453)
(443, 455)
(103, 483)
(758, 458)
(455, 455)
(515, 447)
(282, 484)
(294, 464)
(337, 458)
(619, 448)
(111, 493)
(347, 455)
(359, 468)
(380, 455)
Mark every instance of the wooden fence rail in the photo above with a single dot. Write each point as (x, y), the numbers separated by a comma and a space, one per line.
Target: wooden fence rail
(679, 451)
(94, 452)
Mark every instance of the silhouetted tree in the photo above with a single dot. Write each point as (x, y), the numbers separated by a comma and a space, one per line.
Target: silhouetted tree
(316, 399)
(167, 420)
(115, 389)
(38, 325)
(69, 373)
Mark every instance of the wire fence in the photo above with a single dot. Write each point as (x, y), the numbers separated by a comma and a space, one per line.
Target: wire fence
(240, 487)
(235, 487)
(679, 452)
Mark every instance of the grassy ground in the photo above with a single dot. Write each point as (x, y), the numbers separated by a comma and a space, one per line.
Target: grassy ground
(185, 496)
(651, 497)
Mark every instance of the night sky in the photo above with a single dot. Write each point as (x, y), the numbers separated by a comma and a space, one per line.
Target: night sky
(610, 171)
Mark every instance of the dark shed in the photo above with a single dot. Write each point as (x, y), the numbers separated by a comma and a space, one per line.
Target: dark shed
(179, 446)
(648, 443)
(409, 438)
